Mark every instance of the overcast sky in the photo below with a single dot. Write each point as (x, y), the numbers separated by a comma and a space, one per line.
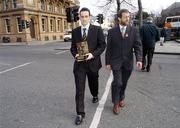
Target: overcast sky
(154, 6)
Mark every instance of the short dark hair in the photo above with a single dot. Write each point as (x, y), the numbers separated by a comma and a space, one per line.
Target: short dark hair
(121, 12)
(85, 9)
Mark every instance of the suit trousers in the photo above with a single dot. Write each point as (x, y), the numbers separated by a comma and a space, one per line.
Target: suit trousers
(119, 84)
(148, 52)
(80, 81)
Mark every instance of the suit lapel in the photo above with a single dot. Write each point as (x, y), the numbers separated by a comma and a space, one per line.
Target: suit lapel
(90, 31)
(118, 33)
(127, 33)
(79, 35)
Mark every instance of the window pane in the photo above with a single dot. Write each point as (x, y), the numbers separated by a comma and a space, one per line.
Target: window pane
(7, 23)
(169, 20)
(19, 24)
(43, 24)
(175, 20)
(14, 4)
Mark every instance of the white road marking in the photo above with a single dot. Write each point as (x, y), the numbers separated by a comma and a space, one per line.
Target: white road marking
(22, 65)
(61, 52)
(97, 115)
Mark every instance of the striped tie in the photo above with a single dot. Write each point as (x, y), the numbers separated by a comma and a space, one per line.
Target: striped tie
(84, 34)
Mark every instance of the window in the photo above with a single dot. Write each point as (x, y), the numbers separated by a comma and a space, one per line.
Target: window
(51, 25)
(51, 9)
(14, 3)
(58, 25)
(5, 4)
(65, 25)
(60, 9)
(8, 26)
(19, 24)
(175, 20)
(168, 20)
(42, 5)
(30, 1)
(43, 24)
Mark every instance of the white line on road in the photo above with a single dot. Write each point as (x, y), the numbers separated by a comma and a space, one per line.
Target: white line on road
(97, 115)
(61, 52)
(22, 65)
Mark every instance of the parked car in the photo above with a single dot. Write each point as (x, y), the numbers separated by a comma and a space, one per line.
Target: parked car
(67, 36)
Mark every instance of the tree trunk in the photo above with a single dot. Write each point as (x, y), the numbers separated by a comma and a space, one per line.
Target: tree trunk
(118, 5)
(140, 13)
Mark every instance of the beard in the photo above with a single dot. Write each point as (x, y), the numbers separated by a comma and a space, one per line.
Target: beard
(124, 23)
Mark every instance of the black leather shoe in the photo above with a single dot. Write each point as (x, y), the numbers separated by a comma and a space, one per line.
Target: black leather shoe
(95, 99)
(143, 68)
(148, 69)
(79, 119)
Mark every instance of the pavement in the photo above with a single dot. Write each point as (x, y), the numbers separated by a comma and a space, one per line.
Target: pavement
(178, 40)
(29, 43)
(170, 47)
(37, 91)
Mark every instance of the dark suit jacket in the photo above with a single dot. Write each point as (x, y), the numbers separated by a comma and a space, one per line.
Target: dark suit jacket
(149, 35)
(119, 52)
(96, 44)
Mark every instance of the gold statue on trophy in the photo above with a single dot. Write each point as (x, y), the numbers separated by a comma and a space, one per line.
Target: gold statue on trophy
(82, 49)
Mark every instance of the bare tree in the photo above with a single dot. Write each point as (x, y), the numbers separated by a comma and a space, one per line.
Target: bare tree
(124, 2)
(140, 13)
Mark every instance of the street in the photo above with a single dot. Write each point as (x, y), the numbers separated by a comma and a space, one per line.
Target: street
(37, 91)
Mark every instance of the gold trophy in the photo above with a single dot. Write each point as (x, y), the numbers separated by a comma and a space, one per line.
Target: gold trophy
(82, 50)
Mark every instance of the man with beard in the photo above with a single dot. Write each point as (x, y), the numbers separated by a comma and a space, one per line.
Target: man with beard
(121, 41)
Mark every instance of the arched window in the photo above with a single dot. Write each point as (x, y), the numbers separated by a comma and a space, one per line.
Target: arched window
(51, 8)
(42, 5)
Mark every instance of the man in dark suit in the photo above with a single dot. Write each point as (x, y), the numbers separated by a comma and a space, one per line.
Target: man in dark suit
(121, 41)
(92, 64)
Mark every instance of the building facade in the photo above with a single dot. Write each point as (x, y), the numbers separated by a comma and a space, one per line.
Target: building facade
(46, 19)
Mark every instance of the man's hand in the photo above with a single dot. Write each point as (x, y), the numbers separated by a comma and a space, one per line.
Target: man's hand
(76, 56)
(108, 67)
(90, 56)
(139, 65)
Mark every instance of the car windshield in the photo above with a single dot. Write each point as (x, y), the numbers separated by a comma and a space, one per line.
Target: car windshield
(68, 32)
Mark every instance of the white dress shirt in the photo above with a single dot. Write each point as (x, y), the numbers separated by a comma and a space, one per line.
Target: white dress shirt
(87, 28)
(121, 26)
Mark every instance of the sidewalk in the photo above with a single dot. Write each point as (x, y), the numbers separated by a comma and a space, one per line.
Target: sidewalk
(29, 43)
(178, 40)
(170, 47)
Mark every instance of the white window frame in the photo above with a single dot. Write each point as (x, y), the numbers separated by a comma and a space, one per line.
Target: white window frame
(14, 3)
(5, 5)
(7, 25)
(43, 18)
(19, 24)
(58, 25)
(51, 8)
(43, 7)
(52, 25)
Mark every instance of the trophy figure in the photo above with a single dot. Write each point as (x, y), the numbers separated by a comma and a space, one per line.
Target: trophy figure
(82, 49)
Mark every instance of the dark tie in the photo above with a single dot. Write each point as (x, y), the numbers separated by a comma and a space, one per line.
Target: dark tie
(84, 34)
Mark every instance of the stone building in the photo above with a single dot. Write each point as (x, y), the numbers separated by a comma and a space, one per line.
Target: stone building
(46, 19)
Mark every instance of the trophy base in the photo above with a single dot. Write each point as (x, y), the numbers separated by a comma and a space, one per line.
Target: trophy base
(81, 58)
